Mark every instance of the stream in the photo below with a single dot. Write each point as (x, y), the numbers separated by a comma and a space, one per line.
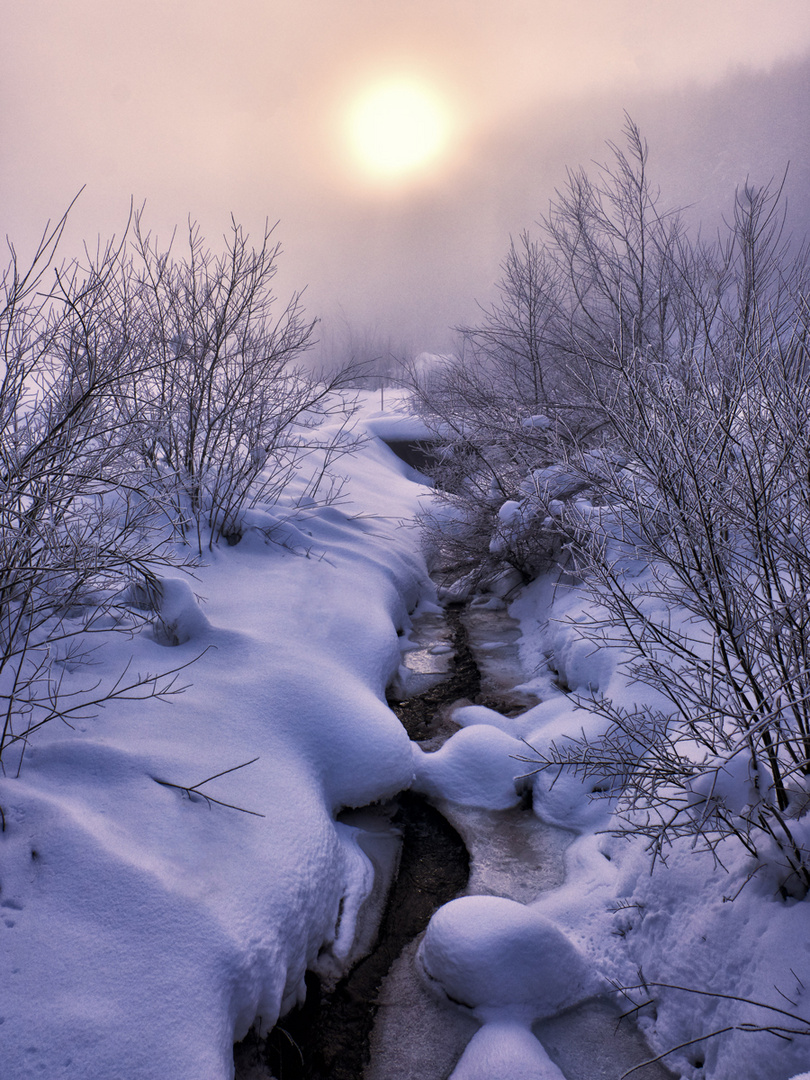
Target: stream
(381, 1022)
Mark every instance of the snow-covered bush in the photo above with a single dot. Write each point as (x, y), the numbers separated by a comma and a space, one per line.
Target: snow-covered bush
(672, 477)
(78, 528)
(613, 282)
(695, 543)
(228, 411)
(700, 566)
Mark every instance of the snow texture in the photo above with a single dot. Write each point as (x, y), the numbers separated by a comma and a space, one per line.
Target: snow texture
(711, 930)
(489, 953)
(475, 767)
(145, 928)
(505, 1048)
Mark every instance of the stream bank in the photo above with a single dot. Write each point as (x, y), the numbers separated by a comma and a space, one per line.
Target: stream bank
(417, 1034)
(327, 1038)
(381, 1022)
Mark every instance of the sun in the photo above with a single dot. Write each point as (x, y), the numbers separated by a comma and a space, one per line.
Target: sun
(397, 128)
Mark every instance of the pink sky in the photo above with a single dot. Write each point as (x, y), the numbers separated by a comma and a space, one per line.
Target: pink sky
(209, 109)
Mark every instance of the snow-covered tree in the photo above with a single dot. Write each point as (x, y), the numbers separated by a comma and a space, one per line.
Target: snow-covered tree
(679, 497)
(222, 416)
(79, 527)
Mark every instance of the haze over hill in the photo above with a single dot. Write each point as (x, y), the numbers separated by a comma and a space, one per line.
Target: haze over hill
(414, 272)
(204, 115)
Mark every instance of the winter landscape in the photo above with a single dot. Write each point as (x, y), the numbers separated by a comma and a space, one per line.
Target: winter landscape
(415, 686)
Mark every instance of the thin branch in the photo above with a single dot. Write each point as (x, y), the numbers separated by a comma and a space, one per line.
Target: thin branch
(195, 789)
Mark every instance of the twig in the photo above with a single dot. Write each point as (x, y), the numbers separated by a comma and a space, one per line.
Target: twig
(780, 1031)
(672, 1049)
(726, 997)
(195, 789)
(731, 899)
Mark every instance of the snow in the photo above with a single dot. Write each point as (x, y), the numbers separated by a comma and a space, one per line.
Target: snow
(146, 924)
(467, 715)
(398, 427)
(707, 937)
(180, 617)
(505, 1048)
(710, 926)
(493, 954)
(539, 423)
(475, 767)
(145, 928)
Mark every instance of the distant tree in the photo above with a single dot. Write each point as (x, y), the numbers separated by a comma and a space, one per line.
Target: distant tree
(515, 338)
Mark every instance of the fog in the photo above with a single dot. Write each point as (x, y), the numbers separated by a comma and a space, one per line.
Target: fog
(204, 109)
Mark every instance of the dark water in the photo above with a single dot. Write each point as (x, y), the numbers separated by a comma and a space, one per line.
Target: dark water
(327, 1038)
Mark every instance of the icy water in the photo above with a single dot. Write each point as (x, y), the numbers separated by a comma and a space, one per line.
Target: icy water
(417, 1036)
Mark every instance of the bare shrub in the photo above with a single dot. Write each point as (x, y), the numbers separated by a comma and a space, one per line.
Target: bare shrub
(710, 488)
(227, 411)
(717, 503)
(77, 528)
(673, 468)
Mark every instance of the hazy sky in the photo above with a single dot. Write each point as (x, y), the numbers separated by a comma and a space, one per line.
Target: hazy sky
(207, 108)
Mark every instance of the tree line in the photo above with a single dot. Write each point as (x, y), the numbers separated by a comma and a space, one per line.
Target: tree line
(638, 396)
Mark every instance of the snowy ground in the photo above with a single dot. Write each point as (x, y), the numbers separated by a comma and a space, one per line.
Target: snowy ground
(717, 932)
(145, 929)
(690, 923)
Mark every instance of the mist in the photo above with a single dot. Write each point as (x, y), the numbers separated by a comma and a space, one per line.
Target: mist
(406, 277)
(195, 111)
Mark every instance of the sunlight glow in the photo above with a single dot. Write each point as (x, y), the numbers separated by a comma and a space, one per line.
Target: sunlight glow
(397, 128)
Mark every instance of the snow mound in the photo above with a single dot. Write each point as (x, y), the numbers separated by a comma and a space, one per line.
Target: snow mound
(470, 715)
(170, 874)
(537, 423)
(505, 1048)
(398, 427)
(487, 952)
(475, 767)
(179, 618)
(553, 482)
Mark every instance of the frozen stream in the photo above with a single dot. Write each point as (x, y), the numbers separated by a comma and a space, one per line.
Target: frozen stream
(383, 1013)
(418, 1036)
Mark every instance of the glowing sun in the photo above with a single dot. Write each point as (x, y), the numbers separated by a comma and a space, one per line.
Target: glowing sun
(397, 128)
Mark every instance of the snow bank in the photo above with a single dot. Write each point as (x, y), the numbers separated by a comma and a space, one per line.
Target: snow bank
(146, 926)
(398, 427)
(489, 953)
(179, 616)
(469, 715)
(715, 930)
